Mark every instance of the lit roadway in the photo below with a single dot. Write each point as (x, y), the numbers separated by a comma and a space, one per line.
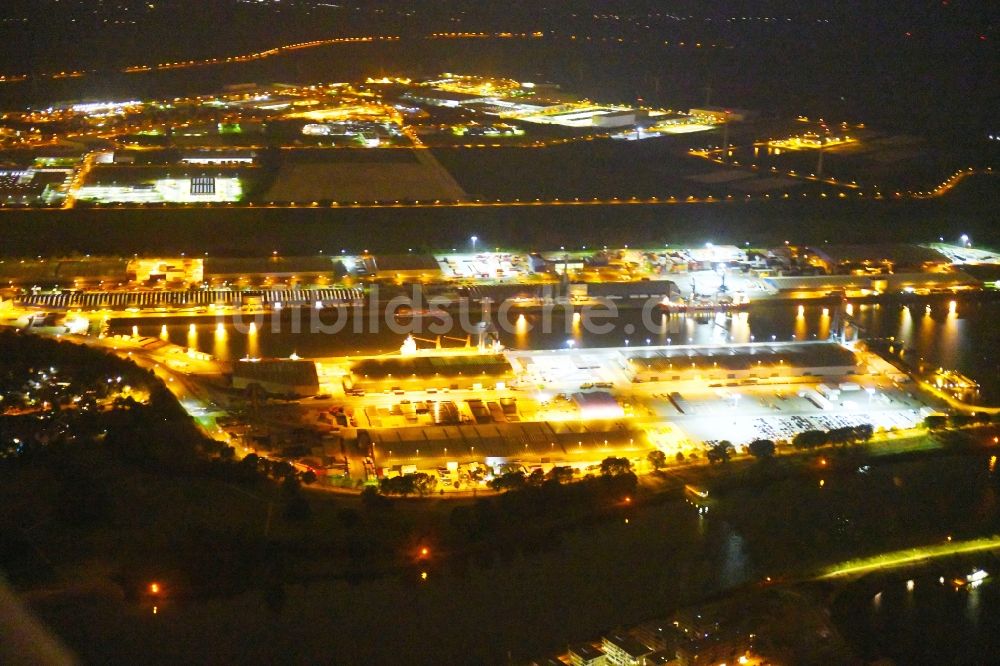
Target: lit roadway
(668, 200)
(911, 556)
(710, 155)
(179, 371)
(187, 64)
(954, 403)
(713, 155)
(79, 178)
(280, 50)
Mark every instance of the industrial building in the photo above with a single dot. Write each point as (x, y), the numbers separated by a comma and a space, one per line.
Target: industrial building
(32, 186)
(710, 254)
(445, 98)
(748, 362)
(498, 443)
(719, 114)
(555, 262)
(193, 298)
(182, 189)
(855, 286)
(453, 371)
(245, 157)
(644, 289)
(403, 267)
(277, 377)
(598, 405)
(580, 115)
(876, 258)
(63, 272)
(619, 118)
(183, 269)
(529, 102)
(307, 268)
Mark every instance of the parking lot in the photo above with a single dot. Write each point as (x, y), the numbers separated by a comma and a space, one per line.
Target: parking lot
(780, 411)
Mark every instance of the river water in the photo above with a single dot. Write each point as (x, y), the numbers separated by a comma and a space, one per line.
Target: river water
(637, 564)
(932, 622)
(965, 338)
(917, 614)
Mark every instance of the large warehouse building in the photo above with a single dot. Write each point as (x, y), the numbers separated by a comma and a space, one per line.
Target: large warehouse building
(754, 361)
(277, 377)
(423, 372)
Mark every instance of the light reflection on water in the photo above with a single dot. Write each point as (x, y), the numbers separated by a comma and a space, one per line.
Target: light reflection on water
(801, 328)
(253, 342)
(973, 606)
(905, 329)
(823, 331)
(933, 621)
(965, 339)
(220, 345)
(740, 327)
(951, 335)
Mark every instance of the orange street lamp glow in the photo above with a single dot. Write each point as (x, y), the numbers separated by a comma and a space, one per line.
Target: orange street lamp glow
(154, 588)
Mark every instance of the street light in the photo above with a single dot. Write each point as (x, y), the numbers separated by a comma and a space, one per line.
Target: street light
(474, 239)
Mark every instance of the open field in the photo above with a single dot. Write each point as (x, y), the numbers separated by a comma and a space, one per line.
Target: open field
(304, 231)
(358, 175)
(602, 169)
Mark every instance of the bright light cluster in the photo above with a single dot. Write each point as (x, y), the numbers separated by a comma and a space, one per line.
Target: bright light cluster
(166, 190)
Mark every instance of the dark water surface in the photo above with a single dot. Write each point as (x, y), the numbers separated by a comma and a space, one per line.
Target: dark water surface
(967, 339)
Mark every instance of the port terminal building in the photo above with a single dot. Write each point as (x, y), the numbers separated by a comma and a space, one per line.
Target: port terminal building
(277, 376)
(854, 286)
(444, 371)
(746, 363)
